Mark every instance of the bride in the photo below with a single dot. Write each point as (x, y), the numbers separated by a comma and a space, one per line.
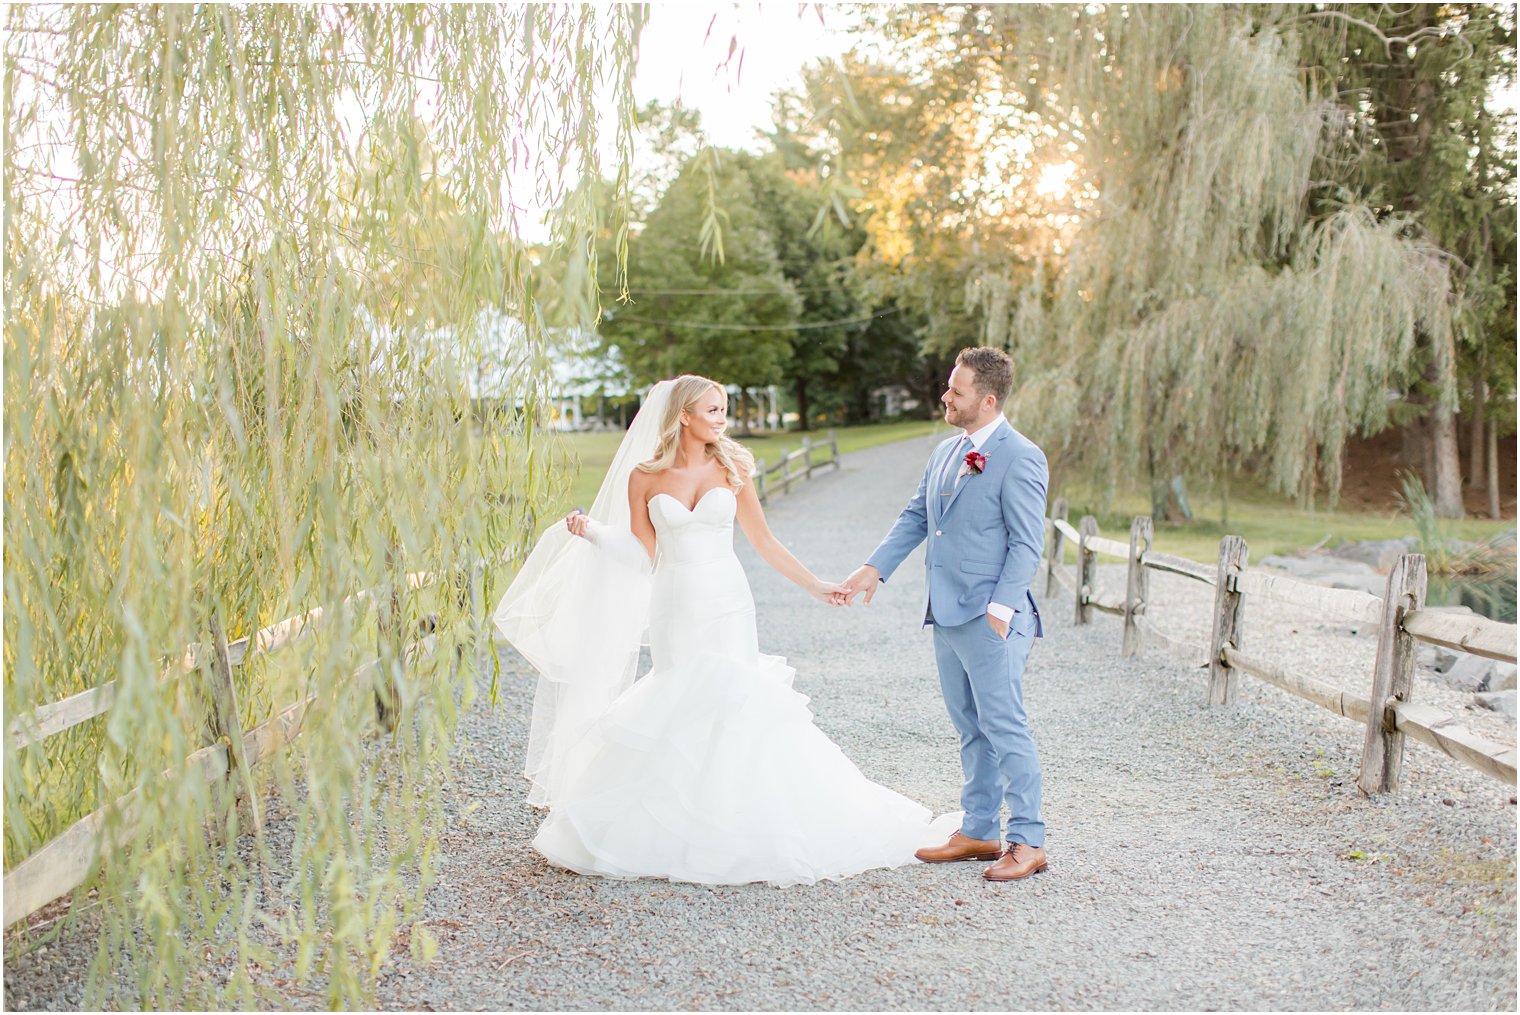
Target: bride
(708, 768)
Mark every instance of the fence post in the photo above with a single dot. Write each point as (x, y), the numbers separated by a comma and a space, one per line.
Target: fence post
(1057, 545)
(1224, 683)
(1087, 561)
(834, 448)
(464, 590)
(760, 479)
(807, 456)
(388, 618)
(227, 725)
(1136, 585)
(1392, 676)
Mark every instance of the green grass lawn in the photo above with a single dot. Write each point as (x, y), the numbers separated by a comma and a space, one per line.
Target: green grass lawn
(1270, 524)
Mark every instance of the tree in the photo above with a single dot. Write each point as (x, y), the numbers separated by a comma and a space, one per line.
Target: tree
(213, 213)
(1414, 88)
(832, 349)
(1203, 320)
(926, 167)
(669, 136)
(727, 311)
(815, 254)
(934, 232)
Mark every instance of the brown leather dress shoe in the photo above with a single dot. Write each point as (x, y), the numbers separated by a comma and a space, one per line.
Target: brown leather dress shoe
(961, 848)
(1018, 862)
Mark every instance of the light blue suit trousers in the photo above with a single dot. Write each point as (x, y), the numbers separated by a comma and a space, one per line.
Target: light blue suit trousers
(985, 535)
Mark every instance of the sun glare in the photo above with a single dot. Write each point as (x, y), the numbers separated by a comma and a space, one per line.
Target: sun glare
(1054, 179)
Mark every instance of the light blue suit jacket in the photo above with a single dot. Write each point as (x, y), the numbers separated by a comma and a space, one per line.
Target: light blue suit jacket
(985, 539)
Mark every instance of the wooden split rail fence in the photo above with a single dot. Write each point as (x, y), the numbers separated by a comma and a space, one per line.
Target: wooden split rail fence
(796, 465)
(67, 861)
(1399, 615)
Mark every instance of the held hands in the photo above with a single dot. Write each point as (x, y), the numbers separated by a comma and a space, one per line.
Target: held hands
(864, 578)
(829, 592)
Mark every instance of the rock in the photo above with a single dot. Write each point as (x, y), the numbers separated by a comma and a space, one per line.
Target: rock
(1437, 658)
(1503, 678)
(1436, 661)
(1502, 702)
(1319, 565)
(1381, 554)
(1470, 673)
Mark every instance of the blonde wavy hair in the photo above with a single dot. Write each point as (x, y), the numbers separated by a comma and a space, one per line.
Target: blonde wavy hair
(733, 456)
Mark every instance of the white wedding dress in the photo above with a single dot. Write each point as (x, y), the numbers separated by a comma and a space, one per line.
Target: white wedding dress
(709, 769)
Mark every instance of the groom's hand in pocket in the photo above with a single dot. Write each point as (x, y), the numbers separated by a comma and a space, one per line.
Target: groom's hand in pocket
(999, 627)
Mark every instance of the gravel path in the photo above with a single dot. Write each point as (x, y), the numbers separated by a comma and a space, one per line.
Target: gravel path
(1200, 858)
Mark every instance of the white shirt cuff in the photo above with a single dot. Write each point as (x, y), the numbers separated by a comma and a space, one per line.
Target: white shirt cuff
(1001, 612)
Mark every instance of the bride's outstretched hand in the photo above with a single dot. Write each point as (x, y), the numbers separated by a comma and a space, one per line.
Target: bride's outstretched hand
(577, 522)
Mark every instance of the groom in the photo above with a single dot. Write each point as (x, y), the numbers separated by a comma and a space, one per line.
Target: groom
(981, 506)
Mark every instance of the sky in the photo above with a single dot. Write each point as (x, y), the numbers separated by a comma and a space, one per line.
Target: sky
(684, 47)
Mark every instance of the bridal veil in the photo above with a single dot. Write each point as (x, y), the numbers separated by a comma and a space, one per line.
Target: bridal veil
(579, 610)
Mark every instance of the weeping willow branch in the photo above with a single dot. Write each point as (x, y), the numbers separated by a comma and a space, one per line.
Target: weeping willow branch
(272, 337)
(1208, 316)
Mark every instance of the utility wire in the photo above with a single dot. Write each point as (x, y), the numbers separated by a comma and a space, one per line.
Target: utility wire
(737, 292)
(758, 327)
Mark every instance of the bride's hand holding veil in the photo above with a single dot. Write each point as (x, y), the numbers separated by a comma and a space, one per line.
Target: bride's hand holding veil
(578, 608)
(617, 545)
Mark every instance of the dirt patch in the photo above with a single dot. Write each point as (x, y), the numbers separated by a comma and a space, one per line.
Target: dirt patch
(1373, 465)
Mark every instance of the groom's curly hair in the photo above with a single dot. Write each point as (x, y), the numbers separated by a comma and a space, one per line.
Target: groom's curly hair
(992, 369)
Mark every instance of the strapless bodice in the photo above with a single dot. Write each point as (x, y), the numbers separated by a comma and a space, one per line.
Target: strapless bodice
(702, 534)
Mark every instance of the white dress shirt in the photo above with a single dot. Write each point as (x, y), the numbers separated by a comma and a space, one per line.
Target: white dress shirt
(998, 610)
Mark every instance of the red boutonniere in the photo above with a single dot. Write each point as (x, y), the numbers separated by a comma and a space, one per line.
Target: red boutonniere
(975, 462)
